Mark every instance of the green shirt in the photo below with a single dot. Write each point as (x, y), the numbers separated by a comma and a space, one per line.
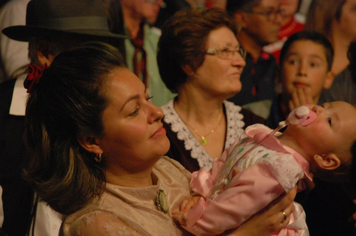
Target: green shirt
(156, 87)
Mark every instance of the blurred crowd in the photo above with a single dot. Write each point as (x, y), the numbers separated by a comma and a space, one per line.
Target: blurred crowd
(207, 76)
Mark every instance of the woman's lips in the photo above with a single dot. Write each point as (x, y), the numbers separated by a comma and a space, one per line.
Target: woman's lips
(159, 132)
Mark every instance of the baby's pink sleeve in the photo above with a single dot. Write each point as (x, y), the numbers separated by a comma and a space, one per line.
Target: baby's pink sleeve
(248, 193)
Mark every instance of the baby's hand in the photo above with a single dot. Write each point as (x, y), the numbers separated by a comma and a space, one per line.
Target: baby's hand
(184, 207)
(179, 217)
(189, 203)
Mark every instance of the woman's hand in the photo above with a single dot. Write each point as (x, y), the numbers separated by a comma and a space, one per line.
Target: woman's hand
(270, 219)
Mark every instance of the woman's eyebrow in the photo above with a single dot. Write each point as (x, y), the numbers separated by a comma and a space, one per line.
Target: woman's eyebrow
(134, 97)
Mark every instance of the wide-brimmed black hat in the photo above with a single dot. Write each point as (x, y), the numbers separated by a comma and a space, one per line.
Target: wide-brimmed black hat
(46, 17)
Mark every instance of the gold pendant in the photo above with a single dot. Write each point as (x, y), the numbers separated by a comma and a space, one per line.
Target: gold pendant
(203, 141)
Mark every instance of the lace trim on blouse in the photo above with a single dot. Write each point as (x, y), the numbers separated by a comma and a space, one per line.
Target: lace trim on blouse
(234, 131)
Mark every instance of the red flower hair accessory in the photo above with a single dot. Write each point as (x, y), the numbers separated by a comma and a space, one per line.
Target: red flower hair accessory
(34, 74)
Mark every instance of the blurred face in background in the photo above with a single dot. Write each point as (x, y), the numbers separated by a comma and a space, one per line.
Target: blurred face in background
(347, 22)
(288, 8)
(144, 9)
(151, 10)
(263, 22)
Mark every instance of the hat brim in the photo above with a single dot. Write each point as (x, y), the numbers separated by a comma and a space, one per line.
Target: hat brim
(25, 33)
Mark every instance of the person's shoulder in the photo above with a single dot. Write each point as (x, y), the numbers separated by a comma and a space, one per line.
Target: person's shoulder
(165, 161)
(171, 166)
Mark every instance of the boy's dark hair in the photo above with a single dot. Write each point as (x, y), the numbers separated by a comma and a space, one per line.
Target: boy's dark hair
(312, 36)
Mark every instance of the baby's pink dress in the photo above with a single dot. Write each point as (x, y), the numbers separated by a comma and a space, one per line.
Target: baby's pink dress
(265, 173)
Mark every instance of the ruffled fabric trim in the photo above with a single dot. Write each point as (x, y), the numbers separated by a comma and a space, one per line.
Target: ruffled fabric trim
(235, 124)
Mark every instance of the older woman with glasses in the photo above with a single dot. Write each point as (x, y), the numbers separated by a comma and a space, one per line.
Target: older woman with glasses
(201, 60)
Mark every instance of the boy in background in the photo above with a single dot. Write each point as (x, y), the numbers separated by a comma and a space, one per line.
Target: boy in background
(305, 70)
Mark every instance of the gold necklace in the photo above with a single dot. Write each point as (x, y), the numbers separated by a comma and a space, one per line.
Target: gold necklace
(203, 140)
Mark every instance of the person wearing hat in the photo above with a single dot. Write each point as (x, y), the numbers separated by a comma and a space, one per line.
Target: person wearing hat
(52, 26)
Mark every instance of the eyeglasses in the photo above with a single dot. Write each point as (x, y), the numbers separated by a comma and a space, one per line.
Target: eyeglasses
(270, 15)
(226, 53)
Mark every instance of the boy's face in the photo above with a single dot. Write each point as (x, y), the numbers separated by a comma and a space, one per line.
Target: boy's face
(333, 130)
(305, 67)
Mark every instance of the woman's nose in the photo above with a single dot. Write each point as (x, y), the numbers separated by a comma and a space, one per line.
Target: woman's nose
(154, 113)
(238, 60)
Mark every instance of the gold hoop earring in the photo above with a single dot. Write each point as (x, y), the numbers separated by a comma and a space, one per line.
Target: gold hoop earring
(98, 158)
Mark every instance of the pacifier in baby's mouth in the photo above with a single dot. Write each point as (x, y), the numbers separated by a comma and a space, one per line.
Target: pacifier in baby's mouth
(302, 115)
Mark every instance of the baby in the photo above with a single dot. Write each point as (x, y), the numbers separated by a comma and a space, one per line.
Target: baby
(269, 165)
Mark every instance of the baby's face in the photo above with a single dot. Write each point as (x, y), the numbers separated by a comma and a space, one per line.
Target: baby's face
(333, 130)
(305, 67)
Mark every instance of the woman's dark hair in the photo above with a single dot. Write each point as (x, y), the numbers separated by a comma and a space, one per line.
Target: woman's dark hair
(311, 36)
(69, 100)
(183, 42)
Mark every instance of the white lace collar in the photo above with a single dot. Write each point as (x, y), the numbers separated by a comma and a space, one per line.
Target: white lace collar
(234, 131)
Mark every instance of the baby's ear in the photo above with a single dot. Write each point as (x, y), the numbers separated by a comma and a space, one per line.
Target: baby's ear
(327, 162)
(329, 80)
